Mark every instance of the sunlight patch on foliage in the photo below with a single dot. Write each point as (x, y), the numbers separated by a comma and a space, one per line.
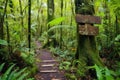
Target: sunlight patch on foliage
(3, 42)
(56, 21)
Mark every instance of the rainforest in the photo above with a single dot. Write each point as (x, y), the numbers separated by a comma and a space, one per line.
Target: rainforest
(59, 39)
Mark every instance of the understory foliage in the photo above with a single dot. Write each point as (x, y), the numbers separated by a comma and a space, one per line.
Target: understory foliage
(108, 44)
(14, 44)
(13, 74)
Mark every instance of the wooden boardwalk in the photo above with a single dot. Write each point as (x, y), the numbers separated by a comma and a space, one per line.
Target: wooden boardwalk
(48, 66)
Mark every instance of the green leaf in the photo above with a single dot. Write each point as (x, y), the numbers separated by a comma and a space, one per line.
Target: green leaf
(117, 38)
(22, 76)
(61, 26)
(6, 74)
(18, 74)
(56, 21)
(1, 66)
(12, 74)
(3, 42)
(99, 73)
(108, 74)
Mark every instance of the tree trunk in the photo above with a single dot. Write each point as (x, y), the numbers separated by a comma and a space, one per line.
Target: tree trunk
(72, 10)
(106, 23)
(40, 12)
(61, 25)
(29, 24)
(2, 21)
(86, 48)
(50, 10)
(21, 14)
(11, 5)
(117, 27)
(8, 39)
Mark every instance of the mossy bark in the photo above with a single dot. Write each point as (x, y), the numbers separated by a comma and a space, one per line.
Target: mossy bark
(87, 52)
(50, 12)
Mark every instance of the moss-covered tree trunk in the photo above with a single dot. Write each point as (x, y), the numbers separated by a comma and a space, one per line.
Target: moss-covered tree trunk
(117, 30)
(2, 16)
(60, 43)
(50, 10)
(1, 27)
(87, 52)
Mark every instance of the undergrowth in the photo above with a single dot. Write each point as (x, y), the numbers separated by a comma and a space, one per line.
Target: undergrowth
(13, 73)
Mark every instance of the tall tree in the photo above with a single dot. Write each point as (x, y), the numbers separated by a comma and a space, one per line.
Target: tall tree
(2, 20)
(21, 14)
(29, 24)
(117, 26)
(86, 48)
(50, 12)
(61, 24)
(72, 10)
(106, 21)
(8, 37)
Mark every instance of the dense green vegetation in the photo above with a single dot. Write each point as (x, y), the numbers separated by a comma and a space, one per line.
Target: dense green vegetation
(52, 23)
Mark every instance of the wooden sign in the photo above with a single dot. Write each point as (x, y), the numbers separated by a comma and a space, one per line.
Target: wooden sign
(89, 19)
(88, 29)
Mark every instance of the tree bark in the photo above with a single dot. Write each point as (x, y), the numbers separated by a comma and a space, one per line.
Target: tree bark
(86, 48)
(29, 24)
(2, 21)
(50, 12)
(61, 25)
(106, 23)
(21, 14)
(40, 12)
(117, 27)
(8, 39)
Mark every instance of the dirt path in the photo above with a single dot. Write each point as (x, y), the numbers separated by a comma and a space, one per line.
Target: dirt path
(48, 66)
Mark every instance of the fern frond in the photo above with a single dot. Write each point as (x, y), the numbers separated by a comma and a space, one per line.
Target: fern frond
(1, 66)
(6, 74)
(22, 76)
(12, 74)
(18, 74)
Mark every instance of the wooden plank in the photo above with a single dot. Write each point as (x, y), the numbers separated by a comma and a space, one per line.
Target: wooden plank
(55, 79)
(46, 65)
(48, 71)
(49, 61)
(88, 29)
(87, 19)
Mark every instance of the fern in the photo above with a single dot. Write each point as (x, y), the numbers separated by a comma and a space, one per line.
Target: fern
(13, 75)
(99, 72)
(108, 74)
(17, 74)
(103, 73)
(6, 74)
(23, 76)
(1, 66)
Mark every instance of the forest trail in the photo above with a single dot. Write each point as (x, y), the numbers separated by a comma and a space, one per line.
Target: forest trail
(48, 66)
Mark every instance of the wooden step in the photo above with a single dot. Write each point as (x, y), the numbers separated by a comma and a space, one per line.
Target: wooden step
(49, 61)
(56, 79)
(49, 68)
(46, 65)
(48, 71)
